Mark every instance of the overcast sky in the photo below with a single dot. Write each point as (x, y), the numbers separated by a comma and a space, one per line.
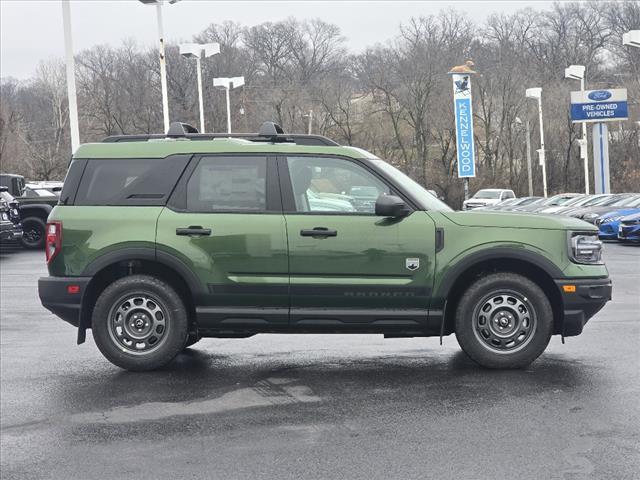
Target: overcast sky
(31, 30)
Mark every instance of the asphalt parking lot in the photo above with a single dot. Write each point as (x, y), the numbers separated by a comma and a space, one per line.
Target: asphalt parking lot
(321, 407)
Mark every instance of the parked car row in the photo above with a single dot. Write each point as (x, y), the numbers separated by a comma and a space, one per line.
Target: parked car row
(26, 206)
(616, 214)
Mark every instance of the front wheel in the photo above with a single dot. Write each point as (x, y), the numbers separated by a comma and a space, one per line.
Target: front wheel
(139, 323)
(504, 320)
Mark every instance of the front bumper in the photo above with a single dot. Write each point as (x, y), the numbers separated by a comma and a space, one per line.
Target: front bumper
(10, 232)
(629, 232)
(608, 231)
(582, 302)
(57, 297)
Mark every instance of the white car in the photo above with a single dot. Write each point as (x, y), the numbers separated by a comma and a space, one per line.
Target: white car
(486, 197)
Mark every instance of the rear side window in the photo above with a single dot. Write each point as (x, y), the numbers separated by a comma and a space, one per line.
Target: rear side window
(71, 181)
(138, 181)
(228, 184)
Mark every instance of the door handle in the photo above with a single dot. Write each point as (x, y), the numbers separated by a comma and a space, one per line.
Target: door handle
(194, 231)
(318, 232)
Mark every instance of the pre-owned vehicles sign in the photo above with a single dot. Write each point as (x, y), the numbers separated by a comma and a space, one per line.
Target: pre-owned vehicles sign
(599, 105)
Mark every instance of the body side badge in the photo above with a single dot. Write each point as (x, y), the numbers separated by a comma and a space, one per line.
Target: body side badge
(412, 263)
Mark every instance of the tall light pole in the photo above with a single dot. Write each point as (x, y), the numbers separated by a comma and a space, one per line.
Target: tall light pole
(228, 83)
(195, 50)
(71, 77)
(163, 61)
(577, 72)
(536, 93)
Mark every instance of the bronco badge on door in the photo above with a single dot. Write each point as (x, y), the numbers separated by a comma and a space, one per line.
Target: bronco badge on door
(412, 263)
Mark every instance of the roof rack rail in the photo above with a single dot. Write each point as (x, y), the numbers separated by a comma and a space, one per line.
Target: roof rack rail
(179, 129)
(269, 132)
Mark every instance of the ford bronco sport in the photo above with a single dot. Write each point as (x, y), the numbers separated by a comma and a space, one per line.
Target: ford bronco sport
(160, 240)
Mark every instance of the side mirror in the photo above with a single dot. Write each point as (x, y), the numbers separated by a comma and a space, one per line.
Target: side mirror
(391, 206)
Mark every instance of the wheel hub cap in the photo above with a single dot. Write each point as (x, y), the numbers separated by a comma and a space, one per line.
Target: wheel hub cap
(138, 324)
(504, 321)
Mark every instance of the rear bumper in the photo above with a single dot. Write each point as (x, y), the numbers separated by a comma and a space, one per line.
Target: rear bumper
(55, 296)
(589, 297)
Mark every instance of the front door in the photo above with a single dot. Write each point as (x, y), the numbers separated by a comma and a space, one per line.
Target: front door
(225, 222)
(349, 267)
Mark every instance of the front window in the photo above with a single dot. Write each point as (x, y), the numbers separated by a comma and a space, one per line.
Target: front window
(333, 185)
(417, 191)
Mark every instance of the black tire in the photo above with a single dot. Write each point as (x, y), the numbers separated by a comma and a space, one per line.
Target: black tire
(33, 233)
(130, 313)
(504, 320)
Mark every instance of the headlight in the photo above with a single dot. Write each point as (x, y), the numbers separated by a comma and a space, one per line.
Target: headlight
(585, 248)
(5, 217)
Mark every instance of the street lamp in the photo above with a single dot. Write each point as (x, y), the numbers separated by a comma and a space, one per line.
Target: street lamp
(536, 93)
(194, 50)
(631, 38)
(577, 72)
(228, 84)
(163, 61)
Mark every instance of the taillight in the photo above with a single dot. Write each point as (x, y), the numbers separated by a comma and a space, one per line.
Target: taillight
(53, 243)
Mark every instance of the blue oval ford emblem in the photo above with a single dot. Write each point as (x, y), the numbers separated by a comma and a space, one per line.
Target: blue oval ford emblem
(599, 95)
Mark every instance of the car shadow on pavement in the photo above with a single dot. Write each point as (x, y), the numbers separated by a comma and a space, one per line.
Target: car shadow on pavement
(198, 382)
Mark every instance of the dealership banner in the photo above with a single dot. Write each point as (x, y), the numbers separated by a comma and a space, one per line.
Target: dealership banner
(599, 105)
(464, 125)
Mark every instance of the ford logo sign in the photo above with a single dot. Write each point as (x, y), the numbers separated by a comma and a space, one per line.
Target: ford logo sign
(599, 95)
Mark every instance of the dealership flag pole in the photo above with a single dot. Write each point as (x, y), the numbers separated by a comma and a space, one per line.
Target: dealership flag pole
(465, 148)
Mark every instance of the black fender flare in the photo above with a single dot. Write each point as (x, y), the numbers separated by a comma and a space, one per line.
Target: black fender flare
(35, 208)
(144, 253)
(136, 253)
(494, 253)
(438, 308)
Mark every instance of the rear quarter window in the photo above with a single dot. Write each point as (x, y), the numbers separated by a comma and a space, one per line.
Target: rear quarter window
(138, 181)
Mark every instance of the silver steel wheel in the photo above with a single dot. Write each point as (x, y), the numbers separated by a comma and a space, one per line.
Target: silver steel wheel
(504, 321)
(138, 324)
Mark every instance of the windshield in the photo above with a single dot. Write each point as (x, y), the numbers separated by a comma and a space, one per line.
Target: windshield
(427, 201)
(575, 201)
(527, 200)
(597, 200)
(487, 194)
(625, 202)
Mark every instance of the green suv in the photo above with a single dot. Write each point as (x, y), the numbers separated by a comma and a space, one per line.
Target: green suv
(160, 240)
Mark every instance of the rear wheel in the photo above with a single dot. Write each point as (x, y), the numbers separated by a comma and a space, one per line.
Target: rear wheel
(139, 323)
(504, 320)
(32, 233)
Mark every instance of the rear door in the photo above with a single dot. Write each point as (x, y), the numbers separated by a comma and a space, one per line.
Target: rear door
(225, 223)
(348, 267)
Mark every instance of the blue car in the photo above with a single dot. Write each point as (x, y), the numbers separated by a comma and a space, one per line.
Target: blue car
(610, 221)
(629, 228)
